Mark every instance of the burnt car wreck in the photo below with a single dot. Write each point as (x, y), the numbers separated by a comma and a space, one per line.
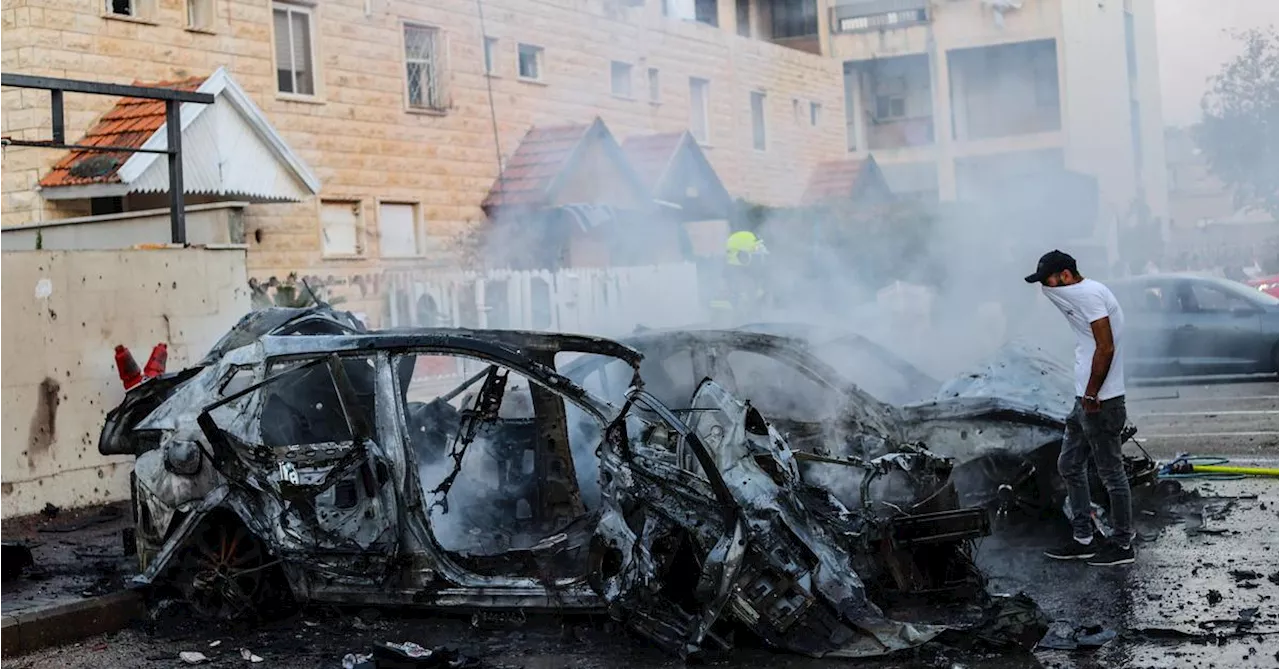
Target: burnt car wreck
(450, 468)
(1001, 422)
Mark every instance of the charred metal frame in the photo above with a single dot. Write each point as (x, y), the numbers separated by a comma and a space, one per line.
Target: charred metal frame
(173, 125)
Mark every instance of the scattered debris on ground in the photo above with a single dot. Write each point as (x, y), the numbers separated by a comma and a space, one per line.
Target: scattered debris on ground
(357, 661)
(15, 558)
(1080, 637)
(193, 657)
(1245, 579)
(409, 655)
(105, 514)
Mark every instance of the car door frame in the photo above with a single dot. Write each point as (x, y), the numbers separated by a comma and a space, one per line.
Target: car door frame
(1228, 331)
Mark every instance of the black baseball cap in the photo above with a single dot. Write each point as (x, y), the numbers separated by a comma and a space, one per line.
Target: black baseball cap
(1051, 263)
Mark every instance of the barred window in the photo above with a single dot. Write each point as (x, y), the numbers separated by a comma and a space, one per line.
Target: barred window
(423, 71)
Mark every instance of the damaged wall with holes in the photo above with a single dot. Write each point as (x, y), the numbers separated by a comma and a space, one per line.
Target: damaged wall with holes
(64, 312)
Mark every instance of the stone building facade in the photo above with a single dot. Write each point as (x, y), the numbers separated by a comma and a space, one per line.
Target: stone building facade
(403, 109)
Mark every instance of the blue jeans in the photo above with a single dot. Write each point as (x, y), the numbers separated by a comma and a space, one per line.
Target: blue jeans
(1096, 434)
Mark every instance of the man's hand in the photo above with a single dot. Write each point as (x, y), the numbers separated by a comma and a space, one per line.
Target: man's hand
(1091, 405)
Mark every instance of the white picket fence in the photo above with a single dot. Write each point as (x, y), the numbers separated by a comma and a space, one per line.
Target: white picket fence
(605, 301)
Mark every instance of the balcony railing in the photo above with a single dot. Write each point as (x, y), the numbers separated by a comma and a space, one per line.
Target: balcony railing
(851, 16)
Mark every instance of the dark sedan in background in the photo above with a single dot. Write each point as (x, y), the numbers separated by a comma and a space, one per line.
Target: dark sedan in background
(1185, 325)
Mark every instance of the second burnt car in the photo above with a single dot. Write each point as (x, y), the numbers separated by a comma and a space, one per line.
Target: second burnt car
(459, 469)
(1001, 422)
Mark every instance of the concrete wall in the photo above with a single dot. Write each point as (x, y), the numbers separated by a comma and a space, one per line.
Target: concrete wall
(64, 312)
(1155, 180)
(1096, 98)
(207, 225)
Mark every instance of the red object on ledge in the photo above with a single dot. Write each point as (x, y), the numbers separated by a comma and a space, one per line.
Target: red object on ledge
(130, 375)
(155, 364)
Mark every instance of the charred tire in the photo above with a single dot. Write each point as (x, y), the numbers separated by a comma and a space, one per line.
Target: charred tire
(226, 573)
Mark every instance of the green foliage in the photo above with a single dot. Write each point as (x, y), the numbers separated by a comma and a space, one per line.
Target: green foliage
(1241, 127)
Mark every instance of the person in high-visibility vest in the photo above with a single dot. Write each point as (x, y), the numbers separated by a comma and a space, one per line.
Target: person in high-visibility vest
(742, 286)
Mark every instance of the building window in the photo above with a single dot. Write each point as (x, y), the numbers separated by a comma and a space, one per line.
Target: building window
(131, 8)
(620, 79)
(795, 110)
(744, 17)
(890, 107)
(815, 114)
(200, 14)
(699, 109)
(340, 227)
(529, 59)
(294, 56)
(398, 230)
(706, 11)
(423, 73)
(794, 18)
(655, 87)
(490, 55)
(757, 121)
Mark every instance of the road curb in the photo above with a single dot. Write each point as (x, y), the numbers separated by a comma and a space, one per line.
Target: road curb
(68, 622)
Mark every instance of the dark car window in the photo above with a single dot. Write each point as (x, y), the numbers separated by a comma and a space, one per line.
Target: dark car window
(670, 379)
(779, 389)
(1147, 298)
(1155, 299)
(302, 407)
(1205, 298)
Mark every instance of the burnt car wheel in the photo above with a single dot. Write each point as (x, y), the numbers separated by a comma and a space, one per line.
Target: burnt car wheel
(226, 573)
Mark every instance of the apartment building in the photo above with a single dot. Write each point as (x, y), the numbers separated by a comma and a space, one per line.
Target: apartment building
(1000, 100)
(350, 137)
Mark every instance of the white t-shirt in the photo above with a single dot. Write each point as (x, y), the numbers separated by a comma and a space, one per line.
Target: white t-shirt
(1083, 303)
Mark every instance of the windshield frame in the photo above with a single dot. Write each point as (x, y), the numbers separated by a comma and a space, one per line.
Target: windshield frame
(1237, 289)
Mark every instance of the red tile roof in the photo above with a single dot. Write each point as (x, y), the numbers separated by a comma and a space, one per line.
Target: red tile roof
(130, 123)
(542, 155)
(651, 154)
(833, 181)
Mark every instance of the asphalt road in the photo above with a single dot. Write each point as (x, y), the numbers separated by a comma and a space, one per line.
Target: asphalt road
(1220, 419)
(1179, 606)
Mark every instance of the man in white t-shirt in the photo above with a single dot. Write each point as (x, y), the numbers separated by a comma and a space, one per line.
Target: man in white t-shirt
(1095, 424)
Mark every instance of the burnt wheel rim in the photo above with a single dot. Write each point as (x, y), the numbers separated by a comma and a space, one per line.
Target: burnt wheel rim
(224, 571)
